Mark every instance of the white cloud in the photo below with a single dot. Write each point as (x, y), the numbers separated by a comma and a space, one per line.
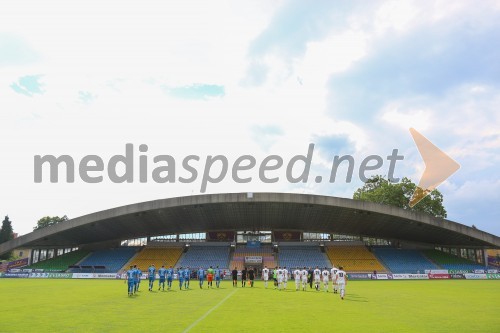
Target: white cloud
(122, 54)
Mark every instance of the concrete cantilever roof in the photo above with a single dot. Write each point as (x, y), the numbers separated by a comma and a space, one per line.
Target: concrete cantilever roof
(261, 211)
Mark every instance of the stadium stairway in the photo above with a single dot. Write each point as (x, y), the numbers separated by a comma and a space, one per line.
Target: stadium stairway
(125, 267)
(265, 251)
(3, 267)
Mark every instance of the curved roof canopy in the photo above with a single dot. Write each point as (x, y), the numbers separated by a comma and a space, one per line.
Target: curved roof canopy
(257, 211)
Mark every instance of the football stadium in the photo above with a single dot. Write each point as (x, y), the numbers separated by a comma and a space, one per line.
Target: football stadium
(406, 271)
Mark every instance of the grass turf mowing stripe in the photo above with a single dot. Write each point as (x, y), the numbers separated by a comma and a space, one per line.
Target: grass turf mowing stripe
(208, 312)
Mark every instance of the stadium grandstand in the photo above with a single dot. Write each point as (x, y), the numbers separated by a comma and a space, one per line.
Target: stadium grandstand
(105, 261)
(206, 255)
(302, 255)
(404, 260)
(256, 229)
(158, 255)
(60, 263)
(354, 258)
(243, 255)
(451, 262)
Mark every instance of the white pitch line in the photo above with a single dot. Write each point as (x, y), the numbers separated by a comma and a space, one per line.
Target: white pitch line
(208, 312)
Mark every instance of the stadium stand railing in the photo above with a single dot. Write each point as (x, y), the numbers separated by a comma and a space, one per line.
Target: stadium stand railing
(354, 259)
(403, 260)
(451, 262)
(306, 255)
(105, 261)
(205, 255)
(60, 263)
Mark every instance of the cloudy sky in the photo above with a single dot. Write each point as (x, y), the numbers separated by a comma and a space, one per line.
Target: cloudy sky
(255, 77)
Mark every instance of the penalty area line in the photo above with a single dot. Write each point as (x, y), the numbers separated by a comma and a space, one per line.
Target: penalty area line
(209, 311)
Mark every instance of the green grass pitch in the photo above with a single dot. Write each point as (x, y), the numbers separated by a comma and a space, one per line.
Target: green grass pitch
(30, 305)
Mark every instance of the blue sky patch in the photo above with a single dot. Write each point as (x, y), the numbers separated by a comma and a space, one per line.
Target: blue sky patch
(196, 91)
(15, 51)
(28, 85)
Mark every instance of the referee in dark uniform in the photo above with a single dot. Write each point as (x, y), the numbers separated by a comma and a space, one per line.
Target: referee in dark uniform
(243, 277)
(310, 277)
(234, 274)
(251, 276)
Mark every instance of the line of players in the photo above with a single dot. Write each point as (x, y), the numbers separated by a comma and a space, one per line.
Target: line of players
(134, 275)
(280, 276)
(302, 276)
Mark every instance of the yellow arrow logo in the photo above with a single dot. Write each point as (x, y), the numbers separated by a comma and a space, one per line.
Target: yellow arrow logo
(438, 167)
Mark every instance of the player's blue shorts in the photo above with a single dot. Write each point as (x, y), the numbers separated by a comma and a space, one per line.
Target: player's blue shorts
(151, 279)
(130, 284)
(162, 280)
(169, 279)
(217, 278)
(137, 281)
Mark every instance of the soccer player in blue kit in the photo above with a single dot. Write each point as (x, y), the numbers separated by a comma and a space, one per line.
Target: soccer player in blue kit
(130, 280)
(151, 276)
(162, 272)
(180, 276)
(201, 277)
(187, 277)
(137, 278)
(218, 275)
(170, 277)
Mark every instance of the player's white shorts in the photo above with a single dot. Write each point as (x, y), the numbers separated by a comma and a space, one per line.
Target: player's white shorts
(325, 280)
(304, 279)
(280, 279)
(341, 284)
(266, 278)
(317, 280)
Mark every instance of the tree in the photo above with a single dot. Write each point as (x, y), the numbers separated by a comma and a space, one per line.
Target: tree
(48, 221)
(6, 234)
(380, 190)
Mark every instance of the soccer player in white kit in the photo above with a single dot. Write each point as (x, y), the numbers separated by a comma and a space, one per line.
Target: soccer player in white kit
(265, 276)
(326, 277)
(285, 276)
(303, 274)
(341, 281)
(279, 275)
(317, 277)
(298, 278)
(333, 273)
